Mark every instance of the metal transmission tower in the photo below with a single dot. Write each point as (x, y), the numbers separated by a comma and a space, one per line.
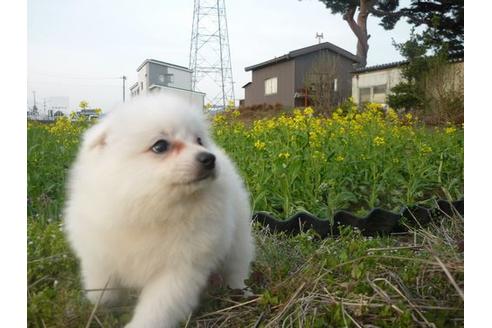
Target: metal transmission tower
(210, 56)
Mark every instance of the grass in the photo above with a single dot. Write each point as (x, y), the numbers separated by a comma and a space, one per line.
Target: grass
(410, 280)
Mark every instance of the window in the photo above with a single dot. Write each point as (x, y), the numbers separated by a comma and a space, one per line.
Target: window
(169, 78)
(379, 93)
(375, 93)
(364, 95)
(166, 78)
(271, 86)
(335, 85)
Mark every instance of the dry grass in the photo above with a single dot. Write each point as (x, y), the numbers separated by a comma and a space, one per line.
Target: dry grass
(415, 281)
(406, 280)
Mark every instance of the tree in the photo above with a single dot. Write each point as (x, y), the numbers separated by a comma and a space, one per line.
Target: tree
(348, 8)
(431, 85)
(443, 20)
(84, 104)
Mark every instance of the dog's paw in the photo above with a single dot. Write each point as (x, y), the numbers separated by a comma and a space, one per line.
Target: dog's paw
(215, 280)
(247, 292)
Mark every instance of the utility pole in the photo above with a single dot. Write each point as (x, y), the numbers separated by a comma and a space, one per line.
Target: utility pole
(34, 107)
(124, 79)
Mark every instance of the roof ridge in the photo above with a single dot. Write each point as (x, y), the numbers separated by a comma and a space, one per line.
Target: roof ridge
(303, 51)
(454, 56)
(160, 62)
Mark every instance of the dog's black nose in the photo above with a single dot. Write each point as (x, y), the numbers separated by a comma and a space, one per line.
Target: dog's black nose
(207, 160)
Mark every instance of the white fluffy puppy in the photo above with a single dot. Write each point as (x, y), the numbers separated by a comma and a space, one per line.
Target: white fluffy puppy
(154, 204)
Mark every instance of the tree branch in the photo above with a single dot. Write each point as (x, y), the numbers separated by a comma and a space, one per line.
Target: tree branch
(349, 17)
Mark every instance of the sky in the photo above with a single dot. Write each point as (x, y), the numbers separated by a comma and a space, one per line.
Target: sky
(80, 49)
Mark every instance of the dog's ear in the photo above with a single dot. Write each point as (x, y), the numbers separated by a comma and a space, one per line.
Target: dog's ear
(96, 136)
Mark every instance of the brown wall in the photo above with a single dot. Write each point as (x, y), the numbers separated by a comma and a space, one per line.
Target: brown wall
(344, 76)
(285, 73)
(291, 76)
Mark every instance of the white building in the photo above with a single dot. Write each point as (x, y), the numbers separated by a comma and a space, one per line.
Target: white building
(158, 76)
(373, 84)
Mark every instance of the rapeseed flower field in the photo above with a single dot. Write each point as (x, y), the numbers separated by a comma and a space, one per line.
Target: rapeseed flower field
(355, 159)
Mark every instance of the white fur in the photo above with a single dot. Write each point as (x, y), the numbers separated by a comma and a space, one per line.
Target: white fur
(134, 218)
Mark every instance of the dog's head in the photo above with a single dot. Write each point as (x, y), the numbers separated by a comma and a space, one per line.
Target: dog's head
(156, 147)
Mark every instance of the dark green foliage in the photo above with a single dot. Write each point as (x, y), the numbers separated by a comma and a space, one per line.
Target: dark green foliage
(385, 9)
(443, 19)
(409, 93)
(431, 85)
(405, 95)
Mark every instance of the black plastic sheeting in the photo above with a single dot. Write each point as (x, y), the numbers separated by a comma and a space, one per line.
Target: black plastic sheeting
(378, 222)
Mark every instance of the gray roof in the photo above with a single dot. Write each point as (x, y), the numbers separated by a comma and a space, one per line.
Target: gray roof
(158, 62)
(454, 57)
(380, 66)
(305, 51)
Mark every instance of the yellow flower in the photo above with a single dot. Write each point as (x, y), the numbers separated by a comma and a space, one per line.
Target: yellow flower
(308, 111)
(319, 155)
(218, 119)
(339, 158)
(284, 155)
(378, 141)
(260, 145)
(449, 130)
(392, 114)
(425, 149)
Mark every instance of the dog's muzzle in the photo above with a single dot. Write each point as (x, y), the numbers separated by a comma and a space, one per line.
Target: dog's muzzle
(206, 167)
(207, 160)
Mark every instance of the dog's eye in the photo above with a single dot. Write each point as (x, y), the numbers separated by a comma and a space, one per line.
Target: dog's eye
(160, 146)
(199, 141)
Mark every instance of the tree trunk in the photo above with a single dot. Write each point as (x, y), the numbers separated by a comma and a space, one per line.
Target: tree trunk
(360, 28)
